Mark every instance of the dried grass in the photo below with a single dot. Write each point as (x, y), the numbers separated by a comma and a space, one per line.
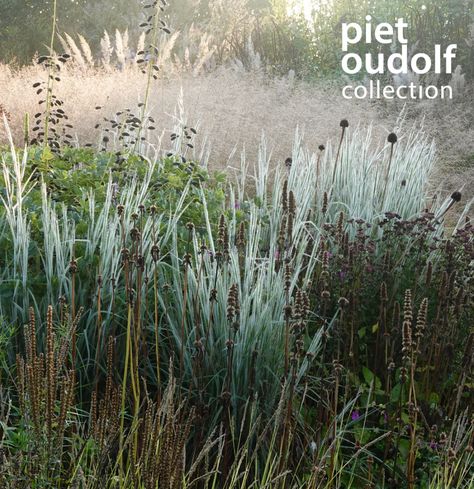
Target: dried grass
(232, 107)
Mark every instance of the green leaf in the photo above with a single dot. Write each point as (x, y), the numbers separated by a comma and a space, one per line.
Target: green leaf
(368, 375)
(396, 392)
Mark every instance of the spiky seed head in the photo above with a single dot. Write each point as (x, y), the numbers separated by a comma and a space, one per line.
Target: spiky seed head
(284, 196)
(291, 203)
(241, 235)
(287, 277)
(407, 307)
(325, 203)
(383, 292)
(321, 147)
(421, 318)
(221, 221)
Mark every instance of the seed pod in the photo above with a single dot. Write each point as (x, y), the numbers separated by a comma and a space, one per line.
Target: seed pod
(392, 138)
(291, 203)
(429, 274)
(325, 203)
(241, 236)
(421, 320)
(383, 292)
(456, 196)
(284, 196)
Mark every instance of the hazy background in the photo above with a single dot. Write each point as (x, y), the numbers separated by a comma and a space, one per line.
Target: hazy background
(302, 35)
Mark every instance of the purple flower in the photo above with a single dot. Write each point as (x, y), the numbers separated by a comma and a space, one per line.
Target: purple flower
(236, 204)
(355, 415)
(342, 275)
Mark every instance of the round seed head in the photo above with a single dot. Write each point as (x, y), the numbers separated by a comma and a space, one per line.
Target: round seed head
(344, 123)
(392, 138)
(456, 196)
(321, 147)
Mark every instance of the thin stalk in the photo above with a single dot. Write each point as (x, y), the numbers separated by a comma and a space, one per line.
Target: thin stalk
(157, 324)
(149, 78)
(387, 176)
(124, 390)
(99, 327)
(343, 124)
(49, 86)
(187, 259)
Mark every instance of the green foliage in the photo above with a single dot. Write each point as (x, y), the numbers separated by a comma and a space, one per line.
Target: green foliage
(72, 175)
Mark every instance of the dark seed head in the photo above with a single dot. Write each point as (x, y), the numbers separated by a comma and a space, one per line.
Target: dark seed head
(321, 147)
(344, 123)
(392, 138)
(288, 162)
(456, 196)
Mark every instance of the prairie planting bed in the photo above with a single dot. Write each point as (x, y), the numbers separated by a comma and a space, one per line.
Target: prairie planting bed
(306, 324)
(213, 306)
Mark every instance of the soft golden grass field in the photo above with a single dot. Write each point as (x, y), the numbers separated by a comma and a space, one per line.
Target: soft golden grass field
(231, 109)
